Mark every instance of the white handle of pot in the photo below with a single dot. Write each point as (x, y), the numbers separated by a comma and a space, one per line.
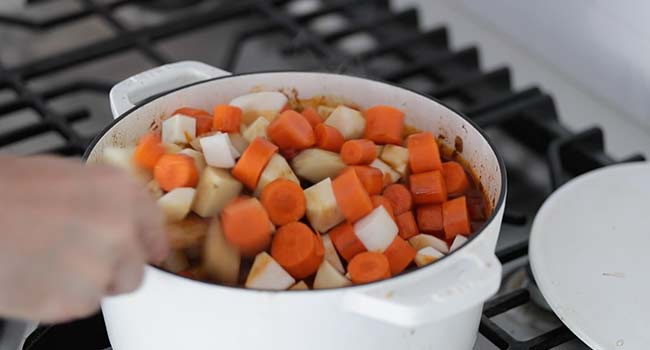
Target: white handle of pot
(467, 282)
(130, 92)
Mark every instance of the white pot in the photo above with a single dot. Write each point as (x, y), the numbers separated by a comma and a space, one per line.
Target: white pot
(435, 307)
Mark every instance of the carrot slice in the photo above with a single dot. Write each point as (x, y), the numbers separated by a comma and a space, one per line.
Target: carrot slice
(328, 138)
(406, 224)
(424, 154)
(246, 225)
(251, 164)
(355, 152)
(381, 200)
(455, 178)
(455, 218)
(174, 171)
(227, 118)
(312, 117)
(429, 218)
(400, 254)
(346, 241)
(371, 178)
(148, 151)
(428, 187)
(351, 196)
(203, 119)
(400, 197)
(284, 201)
(291, 130)
(384, 124)
(296, 248)
(369, 267)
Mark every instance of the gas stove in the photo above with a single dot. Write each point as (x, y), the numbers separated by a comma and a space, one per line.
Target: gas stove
(65, 56)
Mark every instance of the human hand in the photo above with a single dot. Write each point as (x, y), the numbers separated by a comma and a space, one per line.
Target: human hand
(71, 234)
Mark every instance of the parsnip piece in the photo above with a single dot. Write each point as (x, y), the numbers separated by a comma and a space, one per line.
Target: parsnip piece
(189, 232)
(390, 175)
(218, 150)
(179, 129)
(396, 157)
(328, 277)
(266, 273)
(177, 203)
(325, 111)
(123, 158)
(256, 129)
(322, 210)
(239, 142)
(220, 260)
(176, 262)
(348, 121)
(426, 256)
(300, 286)
(315, 164)
(331, 255)
(458, 242)
(154, 188)
(376, 230)
(423, 240)
(277, 168)
(215, 189)
(266, 103)
(199, 160)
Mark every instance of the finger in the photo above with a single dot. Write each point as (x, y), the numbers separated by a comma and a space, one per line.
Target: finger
(149, 220)
(128, 270)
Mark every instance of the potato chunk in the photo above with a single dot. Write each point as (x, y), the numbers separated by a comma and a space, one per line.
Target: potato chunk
(215, 189)
(220, 260)
(322, 211)
(266, 273)
(315, 164)
(348, 121)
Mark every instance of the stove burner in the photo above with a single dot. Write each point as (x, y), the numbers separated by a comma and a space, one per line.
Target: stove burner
(169, 4)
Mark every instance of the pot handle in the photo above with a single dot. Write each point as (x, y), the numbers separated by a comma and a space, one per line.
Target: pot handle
(138, 88)
(465, 283)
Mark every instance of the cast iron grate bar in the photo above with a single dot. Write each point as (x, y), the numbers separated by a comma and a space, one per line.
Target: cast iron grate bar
(488, 97)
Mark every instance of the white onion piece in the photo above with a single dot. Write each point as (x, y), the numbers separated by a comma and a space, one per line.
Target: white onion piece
(423, 240)
(179, 129)
(376, 230)
(266, 273)
(218, 150)
(458, 242)
(176, 204)
(426, 256)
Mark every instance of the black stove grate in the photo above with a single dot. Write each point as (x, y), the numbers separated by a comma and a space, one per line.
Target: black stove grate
(452, 75)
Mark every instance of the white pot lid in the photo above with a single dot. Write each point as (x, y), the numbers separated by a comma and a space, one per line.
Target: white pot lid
(590, 255)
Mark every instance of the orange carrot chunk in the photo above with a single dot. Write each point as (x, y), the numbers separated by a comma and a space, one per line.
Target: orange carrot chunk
(203, 119)
(284, 201)
(428, 187)
(429, 218)
(312, 117)
(371, 178)
(369, 267)
(246, 225)
(455, 218)
(381, 200)
(406, 224)
(346, 241)
(174, 171)
(355, 152)
(455, 178)
(296, 248)
(290, 130)
(251, 164)
(400, 254)
(148, 151)
(400, 197)
(424, 154)
(227, 118)
(328, 138)
(351, 196)
(384, 124)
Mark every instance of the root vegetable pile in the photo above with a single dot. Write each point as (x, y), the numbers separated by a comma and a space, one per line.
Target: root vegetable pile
(268, 193)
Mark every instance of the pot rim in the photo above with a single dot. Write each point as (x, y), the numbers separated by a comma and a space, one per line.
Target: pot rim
(499, 204)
